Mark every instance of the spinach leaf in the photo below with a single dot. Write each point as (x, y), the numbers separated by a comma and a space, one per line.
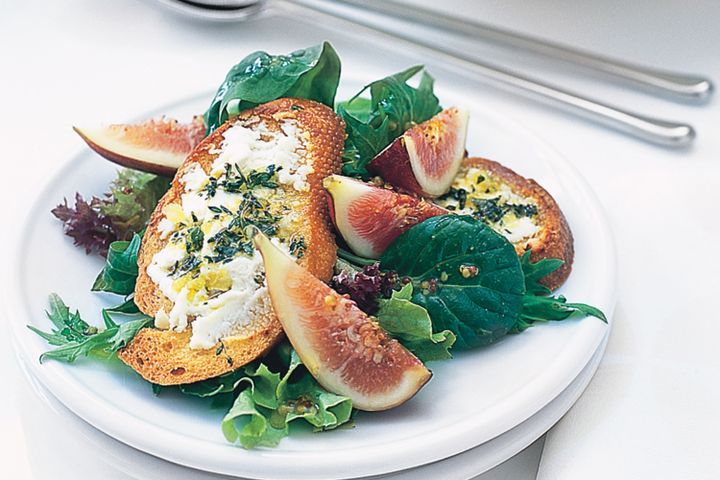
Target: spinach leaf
(411, 325)
(312, 73)
(121, 269)
(464, 274)
(471, 282)
(75, 338)
(394, 106)
(262, 412)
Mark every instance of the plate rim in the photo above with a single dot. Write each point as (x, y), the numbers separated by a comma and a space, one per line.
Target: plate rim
(197, 454)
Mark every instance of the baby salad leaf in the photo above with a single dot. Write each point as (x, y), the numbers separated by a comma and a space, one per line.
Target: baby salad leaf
(133, 197)
(121, 269)
(411, 325)
(84, 223)
(534, 272)
(393, 107)
(539, 309)
(76, 338)
(538, 305)
(464, 274)
(312, 73)
(128, 307)
(262, 412)
(125, 210)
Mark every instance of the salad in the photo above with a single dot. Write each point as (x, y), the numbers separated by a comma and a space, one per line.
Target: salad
(433, 252)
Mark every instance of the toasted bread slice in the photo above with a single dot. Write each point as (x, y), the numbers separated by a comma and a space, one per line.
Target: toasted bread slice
(165, 357)
(517, 207)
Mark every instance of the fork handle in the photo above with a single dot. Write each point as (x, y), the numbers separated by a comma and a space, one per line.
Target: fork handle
(661, 132)
(678, 85)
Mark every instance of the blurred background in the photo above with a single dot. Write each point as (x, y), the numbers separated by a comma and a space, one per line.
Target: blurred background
(91, 61)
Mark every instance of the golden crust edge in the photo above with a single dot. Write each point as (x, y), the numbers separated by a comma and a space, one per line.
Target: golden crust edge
(318, 121)
(555, 239)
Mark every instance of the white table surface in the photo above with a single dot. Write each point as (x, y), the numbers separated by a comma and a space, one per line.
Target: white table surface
(651, 411)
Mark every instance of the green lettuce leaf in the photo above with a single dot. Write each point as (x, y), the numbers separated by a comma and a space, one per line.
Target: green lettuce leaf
(262, 412)
(411, 325)
(121, 269)
(312, 73)
(75, 338)
(394, 106)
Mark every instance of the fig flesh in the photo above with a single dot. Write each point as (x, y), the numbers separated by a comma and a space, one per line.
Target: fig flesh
(156, 145)
(370, 218)
(344, 349)
(427, 157)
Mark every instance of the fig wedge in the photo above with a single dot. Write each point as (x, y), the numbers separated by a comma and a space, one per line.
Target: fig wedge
(156, 145)
(370, 218)
(344, 349)
(427, 157)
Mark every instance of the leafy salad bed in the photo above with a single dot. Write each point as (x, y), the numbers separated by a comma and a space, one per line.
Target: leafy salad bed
(463, 287)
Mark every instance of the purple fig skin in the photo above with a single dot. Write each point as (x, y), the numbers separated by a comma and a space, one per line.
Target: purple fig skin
(393, 165)
(425, 159)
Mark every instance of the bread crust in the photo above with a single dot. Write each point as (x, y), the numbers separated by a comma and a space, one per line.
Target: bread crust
(164, 357)
(554, 239)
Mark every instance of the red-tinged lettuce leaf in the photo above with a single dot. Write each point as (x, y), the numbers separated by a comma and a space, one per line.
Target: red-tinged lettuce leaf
(124, 211)
(133, 197)
(366, 286)
(84, 223)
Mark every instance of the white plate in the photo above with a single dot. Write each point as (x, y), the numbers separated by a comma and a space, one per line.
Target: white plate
(471, 399)
(45, 415)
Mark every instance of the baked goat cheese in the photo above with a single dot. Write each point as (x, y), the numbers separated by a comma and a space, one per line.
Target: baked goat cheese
(475, 192)
(209, 268)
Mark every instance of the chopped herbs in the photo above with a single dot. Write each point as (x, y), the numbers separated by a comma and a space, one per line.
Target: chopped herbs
(459, 194)
(298, 247)
(188, 264)
(237, 237)
(194, 240)
(488, 209)
(235, 181)
(492, 210)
